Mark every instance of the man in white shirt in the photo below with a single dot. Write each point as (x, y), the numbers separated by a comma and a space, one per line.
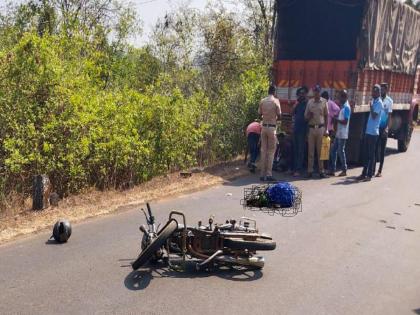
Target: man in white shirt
(342, 134)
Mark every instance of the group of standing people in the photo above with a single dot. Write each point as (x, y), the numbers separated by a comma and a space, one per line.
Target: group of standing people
(315, 118)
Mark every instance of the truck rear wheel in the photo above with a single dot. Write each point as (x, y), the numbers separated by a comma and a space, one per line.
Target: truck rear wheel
(405, 141)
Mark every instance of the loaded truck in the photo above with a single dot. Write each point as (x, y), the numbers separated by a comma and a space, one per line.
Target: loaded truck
(352, 45)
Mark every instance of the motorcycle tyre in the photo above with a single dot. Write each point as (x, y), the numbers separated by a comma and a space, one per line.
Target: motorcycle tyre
(157, 243)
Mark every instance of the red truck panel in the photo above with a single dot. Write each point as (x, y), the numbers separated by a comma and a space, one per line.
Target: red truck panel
(338, 75)
(331, 75)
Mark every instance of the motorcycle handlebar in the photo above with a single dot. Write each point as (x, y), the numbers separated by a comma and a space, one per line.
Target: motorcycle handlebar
(149, 210)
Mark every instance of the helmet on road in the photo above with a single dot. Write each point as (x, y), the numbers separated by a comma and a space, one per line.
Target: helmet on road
(62, 231)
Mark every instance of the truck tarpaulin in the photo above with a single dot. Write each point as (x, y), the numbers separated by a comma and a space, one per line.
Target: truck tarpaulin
(386, 33)
(390, 37)
(318, 29)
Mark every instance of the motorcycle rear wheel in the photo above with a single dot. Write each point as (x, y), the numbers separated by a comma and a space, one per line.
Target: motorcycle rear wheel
(240, 244)
(157, 243)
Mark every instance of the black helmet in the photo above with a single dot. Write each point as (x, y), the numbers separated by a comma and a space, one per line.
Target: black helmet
(62, 231)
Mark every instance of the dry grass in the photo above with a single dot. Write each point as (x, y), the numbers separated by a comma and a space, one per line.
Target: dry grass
(94, 203)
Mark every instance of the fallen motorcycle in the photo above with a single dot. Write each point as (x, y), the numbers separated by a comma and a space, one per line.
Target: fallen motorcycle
(231, 243)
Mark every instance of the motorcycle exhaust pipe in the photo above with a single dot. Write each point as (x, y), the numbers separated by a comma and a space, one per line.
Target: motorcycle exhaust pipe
(212, 257)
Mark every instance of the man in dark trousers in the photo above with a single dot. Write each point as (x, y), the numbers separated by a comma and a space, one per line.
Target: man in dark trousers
(253, 132)
(384, 126)
(284, 154)
(372, 134)
(300, 130)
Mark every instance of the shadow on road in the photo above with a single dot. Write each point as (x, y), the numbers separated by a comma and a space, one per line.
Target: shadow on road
(253, 179)
(140, 279)
(53, 242)
(347, 181)
(391, 151)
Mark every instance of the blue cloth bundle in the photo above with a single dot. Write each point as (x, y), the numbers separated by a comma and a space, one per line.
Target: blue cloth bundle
(282, 194)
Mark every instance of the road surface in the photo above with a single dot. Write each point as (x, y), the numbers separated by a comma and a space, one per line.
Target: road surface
(355, 249)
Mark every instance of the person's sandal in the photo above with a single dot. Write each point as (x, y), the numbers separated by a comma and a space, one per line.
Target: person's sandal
(342, 174)
(379, 175)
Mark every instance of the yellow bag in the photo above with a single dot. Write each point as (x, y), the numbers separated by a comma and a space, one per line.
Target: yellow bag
(325, 148)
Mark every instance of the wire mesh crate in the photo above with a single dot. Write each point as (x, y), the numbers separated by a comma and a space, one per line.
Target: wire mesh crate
(256, 198)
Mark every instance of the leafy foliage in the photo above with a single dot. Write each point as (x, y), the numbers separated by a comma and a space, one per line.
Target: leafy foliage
(83, 106)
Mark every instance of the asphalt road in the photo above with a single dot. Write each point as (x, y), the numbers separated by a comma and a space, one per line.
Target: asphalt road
(355, 249)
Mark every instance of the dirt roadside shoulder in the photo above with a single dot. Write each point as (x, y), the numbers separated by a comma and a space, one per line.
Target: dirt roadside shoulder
(95, 203)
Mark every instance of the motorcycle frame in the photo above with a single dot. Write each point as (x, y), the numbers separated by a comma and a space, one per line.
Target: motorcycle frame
(186, 248)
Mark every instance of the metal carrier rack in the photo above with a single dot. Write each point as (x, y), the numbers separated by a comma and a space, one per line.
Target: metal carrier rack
(255, 199)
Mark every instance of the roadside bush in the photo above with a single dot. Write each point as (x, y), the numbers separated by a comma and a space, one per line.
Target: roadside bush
(56, 119)
(236, 107)
(82, 106)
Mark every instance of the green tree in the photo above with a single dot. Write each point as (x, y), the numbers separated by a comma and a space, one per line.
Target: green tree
(82, 105)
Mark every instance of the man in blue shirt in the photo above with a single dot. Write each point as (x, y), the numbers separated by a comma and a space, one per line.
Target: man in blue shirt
(372, 134)
(383, 127)
(300, 129)
(341, 136)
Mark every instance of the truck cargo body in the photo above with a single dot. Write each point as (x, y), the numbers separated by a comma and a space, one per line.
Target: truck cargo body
(352, 45)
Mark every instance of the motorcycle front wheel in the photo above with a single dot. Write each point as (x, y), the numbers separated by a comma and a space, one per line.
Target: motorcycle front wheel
(157, 243)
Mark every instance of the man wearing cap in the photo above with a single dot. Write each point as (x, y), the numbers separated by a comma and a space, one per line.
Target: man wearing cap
(384, 127)
(316, 114)
(270, 111)
(372, 134)
(300, 129)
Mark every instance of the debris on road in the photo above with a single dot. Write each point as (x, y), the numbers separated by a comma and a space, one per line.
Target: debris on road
(185, 174)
